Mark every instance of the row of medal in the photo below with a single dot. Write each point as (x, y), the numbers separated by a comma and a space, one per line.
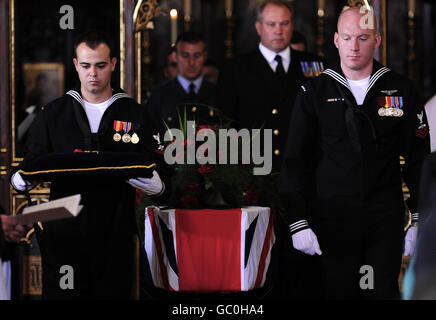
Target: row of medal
(126, 137)
(312, 68)
(391, 106)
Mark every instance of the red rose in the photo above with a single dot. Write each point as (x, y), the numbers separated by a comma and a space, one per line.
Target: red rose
(205, 169)
(189, 201)
(250, 197)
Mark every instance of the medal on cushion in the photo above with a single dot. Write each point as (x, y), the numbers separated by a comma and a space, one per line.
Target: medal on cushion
(126, 127)
(117, 127)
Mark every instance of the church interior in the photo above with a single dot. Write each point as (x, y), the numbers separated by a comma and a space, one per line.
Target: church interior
(36, 54)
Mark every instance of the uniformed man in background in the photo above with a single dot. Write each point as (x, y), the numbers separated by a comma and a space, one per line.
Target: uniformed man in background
(341, 179)
(257, 90)
(189, 90)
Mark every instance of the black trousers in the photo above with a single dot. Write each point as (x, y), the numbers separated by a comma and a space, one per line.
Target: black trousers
(102, 262)
(362, 244)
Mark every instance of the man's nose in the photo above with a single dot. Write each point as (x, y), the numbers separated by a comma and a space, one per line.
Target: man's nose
(278, 29)
(355, 45)
(93, 71)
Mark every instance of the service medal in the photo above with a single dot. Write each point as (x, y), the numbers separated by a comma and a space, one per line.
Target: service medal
(382, 112)
(126, 127)
(117, 137)
(126, 138)
(118, 125)
(135, 138)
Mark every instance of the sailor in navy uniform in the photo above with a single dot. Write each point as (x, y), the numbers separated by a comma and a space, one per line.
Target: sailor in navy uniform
(341, 180)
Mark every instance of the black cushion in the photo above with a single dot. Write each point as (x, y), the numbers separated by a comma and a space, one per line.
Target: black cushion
(88, 165)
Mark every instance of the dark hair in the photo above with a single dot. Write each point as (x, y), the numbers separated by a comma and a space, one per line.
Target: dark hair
(190, 37)
(278, 3)
(93, 39)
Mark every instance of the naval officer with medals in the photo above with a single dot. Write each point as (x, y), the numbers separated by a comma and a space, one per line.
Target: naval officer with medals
(341, 179)
(257, 89)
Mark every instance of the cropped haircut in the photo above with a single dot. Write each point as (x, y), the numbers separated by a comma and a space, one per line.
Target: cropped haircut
(93, 39)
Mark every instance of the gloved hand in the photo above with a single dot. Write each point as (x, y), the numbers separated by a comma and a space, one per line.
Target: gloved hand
(306, 241)
(410, 241)
(20, 184)
(150, 186)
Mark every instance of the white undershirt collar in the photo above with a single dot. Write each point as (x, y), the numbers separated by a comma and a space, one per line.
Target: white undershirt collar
(270, 55)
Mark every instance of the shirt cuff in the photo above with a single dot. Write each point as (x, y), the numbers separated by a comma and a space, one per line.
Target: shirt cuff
(298, 226)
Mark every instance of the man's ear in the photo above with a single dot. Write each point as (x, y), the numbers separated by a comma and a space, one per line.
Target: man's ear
(378, 39)
(257, 25)
(76, 64)
(113, 63)
(336, 39)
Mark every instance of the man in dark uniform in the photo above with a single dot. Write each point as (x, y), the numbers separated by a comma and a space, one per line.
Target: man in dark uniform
(341, 179)
(99, 243)
(188, 90)
(258, 90)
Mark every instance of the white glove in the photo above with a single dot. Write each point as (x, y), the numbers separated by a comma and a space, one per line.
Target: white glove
(20, 184)
(410, 241)
(306, 241)
(150, 186)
